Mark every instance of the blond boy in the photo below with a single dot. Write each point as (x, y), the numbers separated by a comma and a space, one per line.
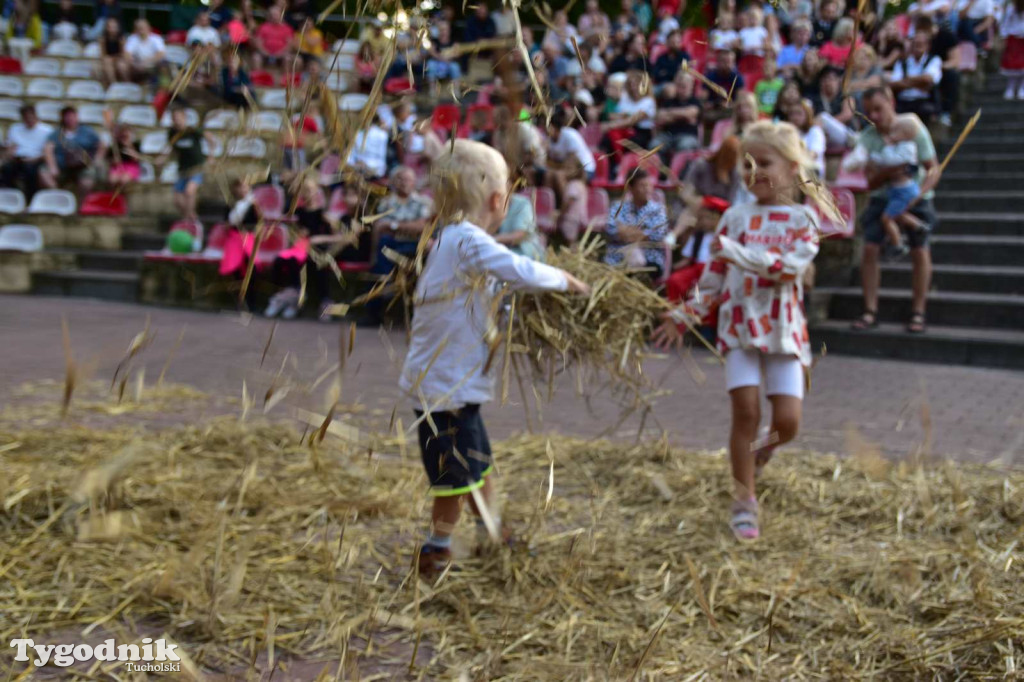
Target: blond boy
(444, 372)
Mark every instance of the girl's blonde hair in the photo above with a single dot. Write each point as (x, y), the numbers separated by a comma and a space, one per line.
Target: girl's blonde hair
(844, 29)
(464, 177)
(785, 139)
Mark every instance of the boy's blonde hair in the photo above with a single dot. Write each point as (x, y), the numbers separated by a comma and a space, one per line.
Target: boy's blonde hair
(464, 177)
(786, 139)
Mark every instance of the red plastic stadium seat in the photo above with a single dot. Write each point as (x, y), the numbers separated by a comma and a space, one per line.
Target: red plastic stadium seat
(270, 200)
(10, 66)
(695, 42)
(592, 135)
(445, 118)
(543, 199)
(486, 109)
(296, 80)
(601, 171)
(262, 79)
(394, 86)
(176, 37)
(626, 166)
(680, 160)
(104, 203)
(218, 235)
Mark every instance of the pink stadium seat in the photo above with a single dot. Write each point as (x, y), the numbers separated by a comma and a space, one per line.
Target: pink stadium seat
(855, 182)
(274, 239)
(598, 206)
(628, 162)
(601, 171)
(218, 235)
(592, 135)
(270, 200)
(680, 160)
(544, 207)
(718, 132)
(336, 205)
(847, 205)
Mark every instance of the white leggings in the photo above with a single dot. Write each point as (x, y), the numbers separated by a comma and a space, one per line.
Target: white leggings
(783, 374)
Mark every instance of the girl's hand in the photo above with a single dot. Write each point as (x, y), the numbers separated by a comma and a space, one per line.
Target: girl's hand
(667, 336)
(576, 286)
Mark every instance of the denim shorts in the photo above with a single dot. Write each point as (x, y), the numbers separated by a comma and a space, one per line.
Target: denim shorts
(182, 181)
(899, 198)
(874, 233)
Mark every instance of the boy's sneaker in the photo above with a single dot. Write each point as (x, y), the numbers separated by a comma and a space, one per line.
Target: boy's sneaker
(896, 252)
(433, 560)
(277, 303)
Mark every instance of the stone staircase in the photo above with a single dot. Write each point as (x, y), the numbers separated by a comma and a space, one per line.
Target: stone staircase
(976, 308)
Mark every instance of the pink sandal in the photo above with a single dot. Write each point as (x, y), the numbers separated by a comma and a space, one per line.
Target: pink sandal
(744, 521)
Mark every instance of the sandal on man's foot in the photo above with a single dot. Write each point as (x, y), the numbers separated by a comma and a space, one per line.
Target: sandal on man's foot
(867, 320)
(744, 521)
(917, 325)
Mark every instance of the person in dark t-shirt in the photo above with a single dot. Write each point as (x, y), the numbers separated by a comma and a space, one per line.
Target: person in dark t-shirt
(187, 145)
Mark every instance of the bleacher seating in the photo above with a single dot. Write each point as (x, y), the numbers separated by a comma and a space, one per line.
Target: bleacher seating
(246, 147)
(86, 89)
(43, 66)
(276, 98)
(169, 173)
(11, 86)
(221, 119)
(10, 109)
(53, 202)
(104, 204)
(598, 206)
(64, 48)
(268, 121)
(140, 115)
(92, 51)
(353, 101)
(46, 88)
(176, 54)
(49, 111)
(153, 143)
(191, 118)
(270, 200)
(91, 114)
(79, 68)
(12, 201)
(23, 238)
(124, 92)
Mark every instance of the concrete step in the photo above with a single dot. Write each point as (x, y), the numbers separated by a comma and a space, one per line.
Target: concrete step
(982, 279)
(987, 144)
(980, 223)
(978, 347)
(120, 261)
(142, 241)
(945, 308)
(983, 164)
(981, 201)
(987, 250)
(109, 285)
(954, 179)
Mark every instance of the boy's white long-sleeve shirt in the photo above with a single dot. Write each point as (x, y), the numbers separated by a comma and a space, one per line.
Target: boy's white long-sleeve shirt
(756, 278)
(453, 311)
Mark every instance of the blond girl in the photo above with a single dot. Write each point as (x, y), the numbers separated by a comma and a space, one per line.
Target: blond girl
(760, 254)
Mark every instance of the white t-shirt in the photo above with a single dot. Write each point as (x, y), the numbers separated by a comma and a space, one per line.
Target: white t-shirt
(929, 65)
(979, 10)
(371, 148)
(144, 50)
(571, 143)
(204, 35)
(28, 143)
(644, 105)
(753, 40)
(723, 39)
(814, 138)
(667, 25)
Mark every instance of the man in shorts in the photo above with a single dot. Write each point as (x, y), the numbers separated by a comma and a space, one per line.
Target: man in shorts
(880, 108)
(187, 145)
(70, 155)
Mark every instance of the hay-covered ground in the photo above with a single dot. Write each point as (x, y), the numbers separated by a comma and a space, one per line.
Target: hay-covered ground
(254, 552)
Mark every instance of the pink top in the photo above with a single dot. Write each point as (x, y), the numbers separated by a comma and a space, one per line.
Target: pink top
(275, 38)
(756, 278)
(835, 55)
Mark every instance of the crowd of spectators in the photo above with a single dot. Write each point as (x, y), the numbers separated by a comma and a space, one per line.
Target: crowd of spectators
(685, 80)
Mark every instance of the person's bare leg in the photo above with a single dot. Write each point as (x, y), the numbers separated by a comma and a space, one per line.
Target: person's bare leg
(892, 232)
(179, 204)
(786, 413)
(191, 192)
(445, 515)
(746, 415)
(124, 72)
(47, 179)
(921, 262)
(109, 71)
(909, 220)
(870, 276)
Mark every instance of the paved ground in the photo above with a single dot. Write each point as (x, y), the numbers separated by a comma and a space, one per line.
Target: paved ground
(974, 414)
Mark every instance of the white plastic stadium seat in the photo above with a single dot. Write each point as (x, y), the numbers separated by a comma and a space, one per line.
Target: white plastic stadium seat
(146, 172)
(43, 66)
(92, 51)
(11, 87)
(153, 143)
(176, 54)
(79, 68)
(169, 173)
(12, 201)
(64, 48)
(141, 115)
(336, 81)
(90, 90)
(344, 63)
(53, 201)
(10, 109)
(124, 92)
(275, 98)
(247, 147)
(221, 119)
(346, 46)
(21, 238)
(191, 118)
(268, 121)
(48, 88)
(21, 48)
(217, 150)
(91, 114)
(49, 111)
(353, 101)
